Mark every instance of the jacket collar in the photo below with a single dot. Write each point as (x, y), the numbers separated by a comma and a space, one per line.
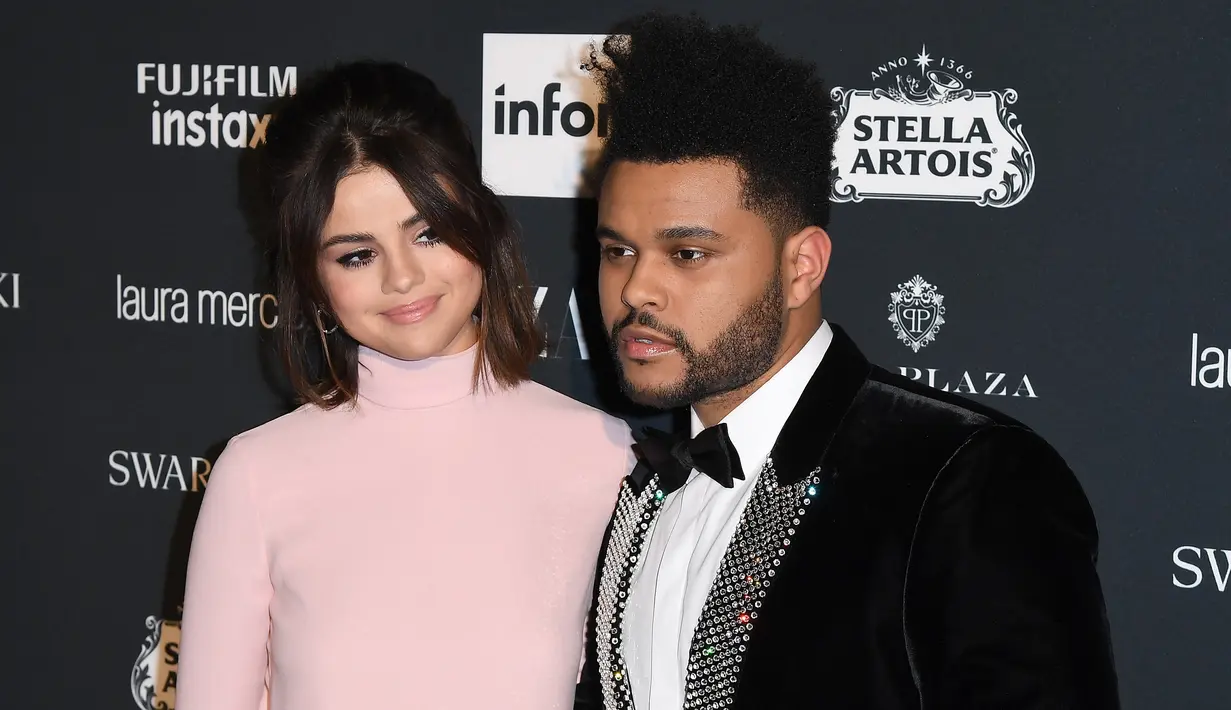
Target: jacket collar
(828, 396)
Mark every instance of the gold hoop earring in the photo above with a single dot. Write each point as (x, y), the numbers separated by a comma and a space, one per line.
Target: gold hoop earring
(320, 324)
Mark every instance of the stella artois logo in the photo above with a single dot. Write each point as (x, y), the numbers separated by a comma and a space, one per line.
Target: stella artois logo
(922, 133)
(916, 311)
(154, 672)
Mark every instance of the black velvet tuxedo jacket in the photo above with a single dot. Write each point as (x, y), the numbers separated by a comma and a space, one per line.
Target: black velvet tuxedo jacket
(902, 548)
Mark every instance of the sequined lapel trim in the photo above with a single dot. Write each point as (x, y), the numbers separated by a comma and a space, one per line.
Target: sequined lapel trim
(634, 514)
(761, 540)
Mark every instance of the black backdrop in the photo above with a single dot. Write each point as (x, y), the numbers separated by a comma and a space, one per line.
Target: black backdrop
(1091, 307)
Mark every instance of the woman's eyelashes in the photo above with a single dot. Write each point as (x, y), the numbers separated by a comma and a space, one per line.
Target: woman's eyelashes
(362, 257)
(427, 238)
(357, 258)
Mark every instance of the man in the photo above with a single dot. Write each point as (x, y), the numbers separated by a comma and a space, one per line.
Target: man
(834, 536)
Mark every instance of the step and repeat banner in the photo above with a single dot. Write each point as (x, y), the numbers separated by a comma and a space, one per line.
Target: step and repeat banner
(1030, 210)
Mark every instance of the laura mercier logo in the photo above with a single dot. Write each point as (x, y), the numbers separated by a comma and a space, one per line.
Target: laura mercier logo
(166, 304)
(1195, 565)
(208, 123)
(542, 121)
(153, 677)
(916, 312)
(922, 134)
(1209, 369)
(10, 290)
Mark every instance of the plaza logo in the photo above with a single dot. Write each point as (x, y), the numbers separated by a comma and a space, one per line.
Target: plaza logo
(916, 312)
(542, 121)
(154, 673)
(164, 472)
(208, 124)
(1214, 372)
(922, 134)
(10, 290)
(164, 304)
(1195, 565)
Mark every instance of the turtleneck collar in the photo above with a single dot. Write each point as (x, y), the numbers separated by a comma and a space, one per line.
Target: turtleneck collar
(416, 384)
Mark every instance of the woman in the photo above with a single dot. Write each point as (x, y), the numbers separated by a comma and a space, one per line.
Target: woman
(422, 532)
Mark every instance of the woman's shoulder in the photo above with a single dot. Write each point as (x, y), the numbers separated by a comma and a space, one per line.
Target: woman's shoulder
(285, 435)
(567, 416)
(579, 436)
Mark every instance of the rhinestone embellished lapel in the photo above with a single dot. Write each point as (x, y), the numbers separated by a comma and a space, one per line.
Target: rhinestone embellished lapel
(635, 512)
(762, 539)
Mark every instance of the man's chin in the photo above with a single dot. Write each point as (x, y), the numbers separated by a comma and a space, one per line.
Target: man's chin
(658, 395)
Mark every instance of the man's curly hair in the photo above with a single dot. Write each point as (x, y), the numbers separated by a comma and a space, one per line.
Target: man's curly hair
(678, 89)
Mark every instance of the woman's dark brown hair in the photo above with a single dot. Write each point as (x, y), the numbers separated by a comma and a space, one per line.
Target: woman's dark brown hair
(378, 114)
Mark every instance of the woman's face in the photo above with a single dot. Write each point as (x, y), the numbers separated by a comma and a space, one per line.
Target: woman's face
(393, 285)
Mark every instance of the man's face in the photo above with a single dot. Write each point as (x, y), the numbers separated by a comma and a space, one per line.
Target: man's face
(690, 281)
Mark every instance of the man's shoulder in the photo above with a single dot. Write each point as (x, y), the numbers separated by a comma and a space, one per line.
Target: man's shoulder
(898, 424)
(900, 438)
(920, 403)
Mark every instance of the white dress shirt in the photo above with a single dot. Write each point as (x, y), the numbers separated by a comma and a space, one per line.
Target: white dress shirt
(690, 537)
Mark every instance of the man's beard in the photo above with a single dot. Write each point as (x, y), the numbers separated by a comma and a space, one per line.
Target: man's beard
(744, 351)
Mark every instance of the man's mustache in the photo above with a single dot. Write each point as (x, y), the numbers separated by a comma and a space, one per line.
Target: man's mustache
(649, 320)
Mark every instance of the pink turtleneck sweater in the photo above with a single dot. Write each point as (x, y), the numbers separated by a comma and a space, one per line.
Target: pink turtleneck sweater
(431, 549)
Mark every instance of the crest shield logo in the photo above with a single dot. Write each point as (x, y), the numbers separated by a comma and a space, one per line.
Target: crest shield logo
(154, 672)
(923, 134)
(916, 310)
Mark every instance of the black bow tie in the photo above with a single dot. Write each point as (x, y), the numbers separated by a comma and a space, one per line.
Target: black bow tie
(674, 457)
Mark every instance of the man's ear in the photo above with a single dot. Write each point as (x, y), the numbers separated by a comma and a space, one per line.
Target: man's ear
(805, 258)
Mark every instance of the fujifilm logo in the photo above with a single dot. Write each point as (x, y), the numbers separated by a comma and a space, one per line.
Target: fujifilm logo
(212, 125)
(215, 80)
(542, 121)
(10, 290)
